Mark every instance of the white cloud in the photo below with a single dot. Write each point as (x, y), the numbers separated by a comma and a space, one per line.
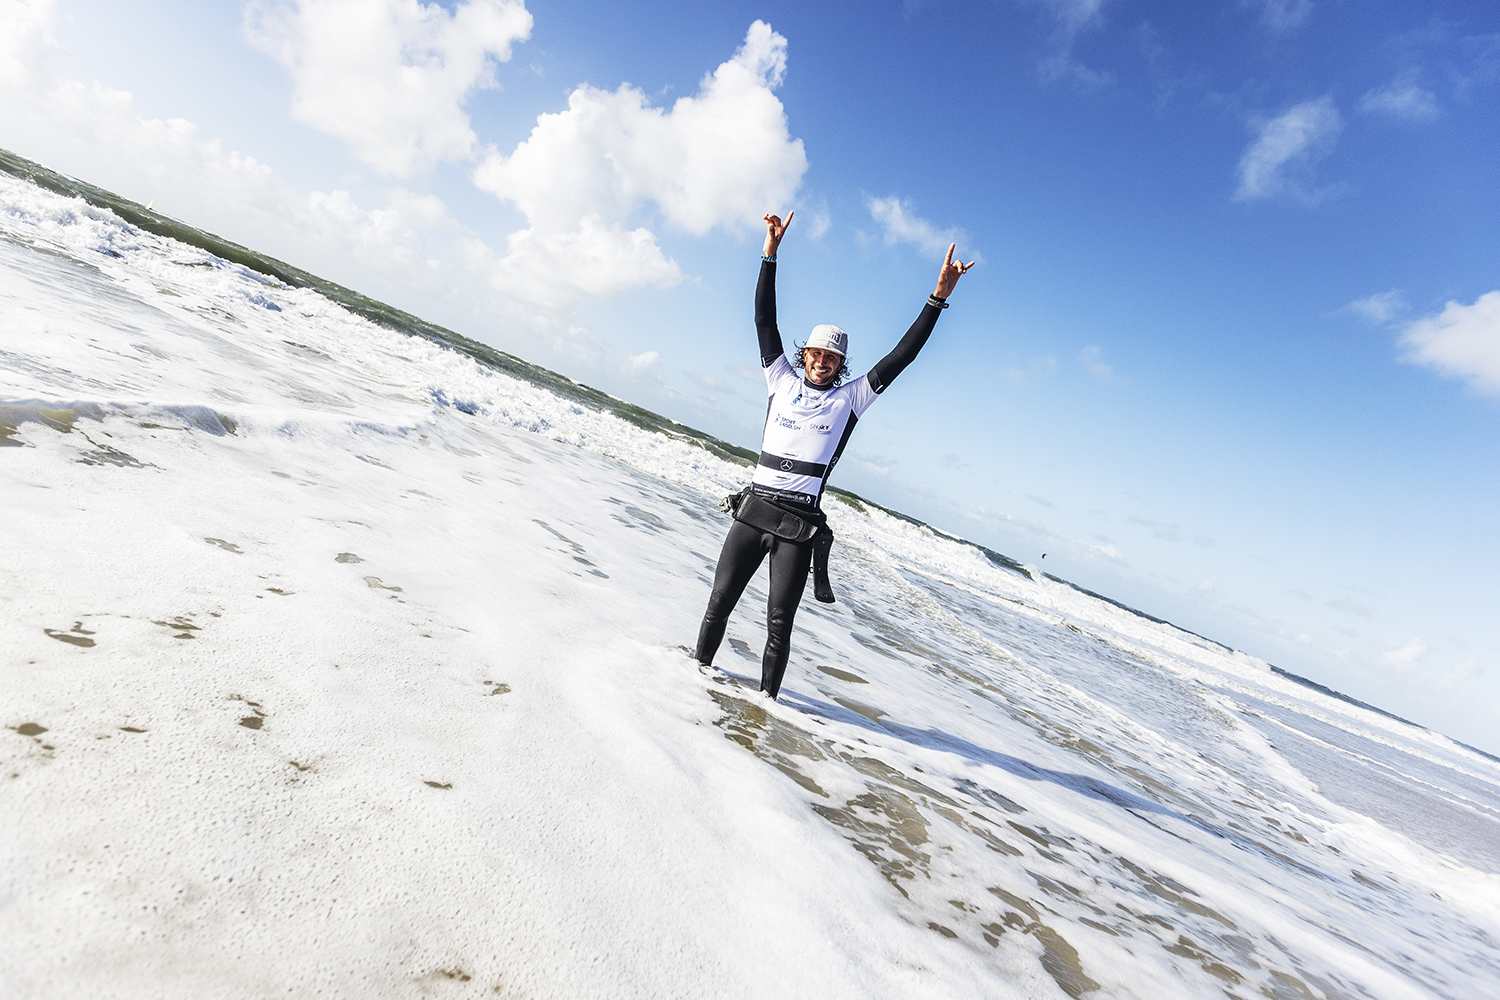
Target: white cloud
(1461, 673)
(901, 226)
(1280, 159)
(1071, 17)
(389, 77)
(1352, 607)
(1280, 15)
(26, 42)
(98, 133)
(642, 364)
(1092, 359)
(718, 159)
(1462, 341)
(1402, 98)
(1382, 307)
(756, 375)
(880, 465)
(1038, 369)
(1407, 656)
(817, 223)
(555, 269)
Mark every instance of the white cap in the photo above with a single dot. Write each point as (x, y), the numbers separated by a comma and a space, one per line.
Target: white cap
(827, 337)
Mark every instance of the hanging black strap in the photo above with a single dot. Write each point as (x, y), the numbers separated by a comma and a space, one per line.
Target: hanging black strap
(822, 589)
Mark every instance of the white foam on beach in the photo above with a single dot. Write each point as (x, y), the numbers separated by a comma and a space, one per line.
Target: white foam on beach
(334, 661)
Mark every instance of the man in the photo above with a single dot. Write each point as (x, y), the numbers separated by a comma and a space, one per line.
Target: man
(808, 421)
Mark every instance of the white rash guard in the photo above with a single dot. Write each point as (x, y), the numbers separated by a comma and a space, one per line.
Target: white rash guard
(806, 429)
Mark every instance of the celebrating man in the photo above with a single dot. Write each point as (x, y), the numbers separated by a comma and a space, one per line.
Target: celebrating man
(808, 422)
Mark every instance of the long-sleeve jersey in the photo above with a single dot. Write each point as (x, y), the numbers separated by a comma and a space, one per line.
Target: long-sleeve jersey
(807, 426)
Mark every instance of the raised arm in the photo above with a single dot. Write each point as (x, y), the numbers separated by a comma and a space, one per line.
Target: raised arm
(905, 352)
(765, 293)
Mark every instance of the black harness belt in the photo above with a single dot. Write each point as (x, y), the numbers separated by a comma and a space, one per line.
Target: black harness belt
(791, 465)
(811, 526)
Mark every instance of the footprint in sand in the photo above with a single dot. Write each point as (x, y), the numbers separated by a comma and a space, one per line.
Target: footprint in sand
(578, 550)
(35, 731)
(743, 648)
(251, 721)
(75, 636)
(182, 624)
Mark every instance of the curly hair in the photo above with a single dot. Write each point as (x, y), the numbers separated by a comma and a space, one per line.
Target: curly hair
(799, 362)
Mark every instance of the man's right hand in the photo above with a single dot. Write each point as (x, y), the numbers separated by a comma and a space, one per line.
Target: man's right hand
(775, 230)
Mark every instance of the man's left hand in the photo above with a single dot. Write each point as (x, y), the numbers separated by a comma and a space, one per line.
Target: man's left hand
(951, 272)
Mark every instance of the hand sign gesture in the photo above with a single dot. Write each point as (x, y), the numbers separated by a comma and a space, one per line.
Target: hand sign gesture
(949, 275)
(775, 230)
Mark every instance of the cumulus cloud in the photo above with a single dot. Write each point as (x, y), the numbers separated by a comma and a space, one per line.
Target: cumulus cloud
(717, 159)
(1407, 656)
(1462, 341)
(1402, 98)
(644, 363)
(1280, 159)
(389, 77)
(26, 42)
(1280, 15)
(553, 270)
(903, 226)
(99, 133)
(1382, 307)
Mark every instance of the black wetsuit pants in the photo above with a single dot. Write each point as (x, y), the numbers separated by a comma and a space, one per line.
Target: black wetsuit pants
(743, 551)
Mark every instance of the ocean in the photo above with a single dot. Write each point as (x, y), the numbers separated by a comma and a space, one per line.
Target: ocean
(345, 655)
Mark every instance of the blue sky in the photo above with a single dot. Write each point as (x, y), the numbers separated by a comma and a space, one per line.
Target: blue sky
(1228, 355)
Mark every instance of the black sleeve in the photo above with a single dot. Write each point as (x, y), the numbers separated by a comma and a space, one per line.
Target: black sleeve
(765, 315)
(904, 353)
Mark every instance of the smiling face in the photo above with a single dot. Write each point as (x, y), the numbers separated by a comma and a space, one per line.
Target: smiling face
(822, 365)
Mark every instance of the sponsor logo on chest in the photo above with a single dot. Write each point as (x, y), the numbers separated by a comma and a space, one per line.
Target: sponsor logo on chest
(820, 426)
(820, 408)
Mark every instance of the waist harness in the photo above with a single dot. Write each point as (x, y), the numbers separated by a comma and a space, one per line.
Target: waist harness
(800, 527)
